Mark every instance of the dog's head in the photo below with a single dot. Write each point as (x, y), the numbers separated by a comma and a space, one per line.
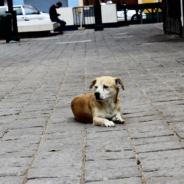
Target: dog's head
(106, 87)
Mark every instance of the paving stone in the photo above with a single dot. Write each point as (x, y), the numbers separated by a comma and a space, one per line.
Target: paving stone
(29, 123)
(110, 164)
(12, 171)
(57, 172)
(159, 133)
(170, 154)
(66, 180)
(172, 181)
(110, 174)
(171, 145)
(144, 119)
(12, 162)
(108, 144)
(106, 134)
(155, 140)
(14, 146)
(157, 165)
(11, 179)
(165, 174)
(133, 180)
(148, 127)
(103, 155)
(181, 134)
(57, 158)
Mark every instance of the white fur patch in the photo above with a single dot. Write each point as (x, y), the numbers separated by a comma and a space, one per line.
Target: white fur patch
(109, 124)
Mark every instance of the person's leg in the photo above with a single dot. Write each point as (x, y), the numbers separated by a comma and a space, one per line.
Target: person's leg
(61, 28)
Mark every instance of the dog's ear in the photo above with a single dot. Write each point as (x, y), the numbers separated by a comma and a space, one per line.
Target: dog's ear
(119, 82)
(92, 83)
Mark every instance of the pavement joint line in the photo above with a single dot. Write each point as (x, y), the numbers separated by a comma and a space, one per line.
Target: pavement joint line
(48, 121)
(59, 43)
(82, 180)
(83, 156)
(126, 126)
(136, 155)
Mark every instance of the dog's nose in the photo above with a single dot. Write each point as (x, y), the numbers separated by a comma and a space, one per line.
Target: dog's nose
(97, 95)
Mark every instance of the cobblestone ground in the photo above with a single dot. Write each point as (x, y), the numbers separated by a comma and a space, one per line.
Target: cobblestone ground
(41, 142)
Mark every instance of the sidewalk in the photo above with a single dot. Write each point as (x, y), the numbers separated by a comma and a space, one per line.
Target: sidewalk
(40, 141)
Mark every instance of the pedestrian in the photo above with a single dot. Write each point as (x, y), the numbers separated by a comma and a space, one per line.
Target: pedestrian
(54, 17)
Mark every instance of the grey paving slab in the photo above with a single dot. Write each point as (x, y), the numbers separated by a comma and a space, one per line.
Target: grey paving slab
(132, 180)
(103, 155)
(111, 174)
(66, 180)
(165, 176)
(11, 179)
(42, 143)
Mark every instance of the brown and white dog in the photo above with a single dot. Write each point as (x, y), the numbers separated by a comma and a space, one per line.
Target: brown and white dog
(103, 107)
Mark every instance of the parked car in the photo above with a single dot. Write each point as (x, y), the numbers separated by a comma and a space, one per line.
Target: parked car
(131, 15)
(26, 12)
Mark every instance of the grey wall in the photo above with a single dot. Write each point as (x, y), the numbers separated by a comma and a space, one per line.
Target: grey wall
(44, 5)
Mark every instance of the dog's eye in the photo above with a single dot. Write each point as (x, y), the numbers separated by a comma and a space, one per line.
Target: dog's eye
(96, 87)
(106, 87)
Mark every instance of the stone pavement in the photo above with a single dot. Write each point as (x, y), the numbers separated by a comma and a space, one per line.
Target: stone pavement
(42, 143)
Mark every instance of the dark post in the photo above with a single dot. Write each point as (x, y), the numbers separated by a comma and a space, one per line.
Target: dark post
(125, 14)
(15, 29)
(141, 16)
(1, 2)
(98, 16)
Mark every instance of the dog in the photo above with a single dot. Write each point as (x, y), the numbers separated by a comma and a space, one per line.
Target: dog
(103, 107)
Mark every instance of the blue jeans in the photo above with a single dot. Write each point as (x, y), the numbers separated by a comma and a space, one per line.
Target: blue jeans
(62, 25)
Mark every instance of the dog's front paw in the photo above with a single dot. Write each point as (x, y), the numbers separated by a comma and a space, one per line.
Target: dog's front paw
(108, 124)
(118, 119)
